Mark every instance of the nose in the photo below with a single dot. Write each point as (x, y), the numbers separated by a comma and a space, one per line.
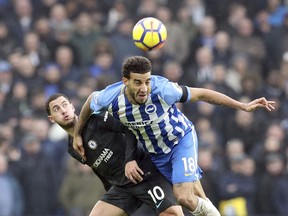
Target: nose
(63, 110)
(143, 88)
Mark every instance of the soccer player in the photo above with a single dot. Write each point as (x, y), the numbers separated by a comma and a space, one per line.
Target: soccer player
(147, 105)
(105, 147)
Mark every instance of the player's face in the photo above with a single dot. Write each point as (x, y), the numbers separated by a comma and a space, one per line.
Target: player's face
(138, 87)
(62, 112)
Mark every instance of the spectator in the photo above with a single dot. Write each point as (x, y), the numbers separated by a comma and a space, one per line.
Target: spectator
(204, 38)
(104, 66)
(197, 10)
(211, 170)
(6, 77)
(37, 177)
(185, 19)
(11, 200)
(117, 12)
(222, 51)
(269, 181)
(202, 71)
(19, 103)
(237, 187)
(22, 19)
(58, 16)
(62, 37)
(177, 39)
(276, 11)
(84, 37)
(76, 199)
(7, 42)
(220, 82)
(44, 31)
(236, 12)
(244, 127)
(246, 42)
(251, 85)
(70, 73)
(173, 71)
(36, 51)
(238, 68)
(51, 82)
(147, 8)
(276, 43)
(121, 42)
(27, 73)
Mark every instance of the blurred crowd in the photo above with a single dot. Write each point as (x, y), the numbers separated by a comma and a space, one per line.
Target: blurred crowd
(237, 47)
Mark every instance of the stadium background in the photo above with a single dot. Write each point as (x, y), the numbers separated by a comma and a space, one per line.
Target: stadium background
(237, 47)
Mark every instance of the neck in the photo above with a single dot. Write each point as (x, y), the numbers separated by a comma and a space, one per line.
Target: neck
(70, 128)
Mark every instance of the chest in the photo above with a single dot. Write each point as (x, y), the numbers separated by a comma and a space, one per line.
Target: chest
(153, 111)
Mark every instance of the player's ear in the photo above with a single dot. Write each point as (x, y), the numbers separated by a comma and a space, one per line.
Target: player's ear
(73, 108)
(51, 119)
(125, 81)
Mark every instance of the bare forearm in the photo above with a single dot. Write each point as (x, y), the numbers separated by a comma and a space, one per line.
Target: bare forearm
(83, 116)
(217, 98)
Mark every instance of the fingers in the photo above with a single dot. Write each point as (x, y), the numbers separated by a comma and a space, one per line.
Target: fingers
(133, 173)
(261, 103)
(131, 178)
(78, 146)
(82, 152)
(270, 105)
(135, 177)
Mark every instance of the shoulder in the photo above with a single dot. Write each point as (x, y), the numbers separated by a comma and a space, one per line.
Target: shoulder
(104, 97)
(157, 81)
(171, 92)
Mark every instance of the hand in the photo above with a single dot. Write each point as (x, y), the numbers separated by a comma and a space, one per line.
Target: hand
(78, 146)
(259, 103)
(133, 172)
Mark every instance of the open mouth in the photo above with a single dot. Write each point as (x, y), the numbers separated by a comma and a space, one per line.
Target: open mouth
(142, 96)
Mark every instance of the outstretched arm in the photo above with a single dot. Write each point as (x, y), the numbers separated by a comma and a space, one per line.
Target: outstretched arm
(214, 97)
(83, 117)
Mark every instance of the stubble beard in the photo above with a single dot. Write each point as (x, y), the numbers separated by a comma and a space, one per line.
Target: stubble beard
(69, 125)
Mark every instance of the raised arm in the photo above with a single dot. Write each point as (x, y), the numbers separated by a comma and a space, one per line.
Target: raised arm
(83, 117)
(217, 98)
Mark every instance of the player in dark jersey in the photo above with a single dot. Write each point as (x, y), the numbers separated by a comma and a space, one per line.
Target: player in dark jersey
(105, 147)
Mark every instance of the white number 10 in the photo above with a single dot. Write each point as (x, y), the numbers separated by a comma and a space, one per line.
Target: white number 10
(156, 194)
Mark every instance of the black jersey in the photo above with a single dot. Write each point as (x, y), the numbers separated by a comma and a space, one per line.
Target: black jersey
(106, 142)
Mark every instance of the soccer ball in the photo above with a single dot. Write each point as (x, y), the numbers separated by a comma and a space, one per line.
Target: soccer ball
(149, 34)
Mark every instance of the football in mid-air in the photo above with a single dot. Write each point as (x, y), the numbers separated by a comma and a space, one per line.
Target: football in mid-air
(149, 34)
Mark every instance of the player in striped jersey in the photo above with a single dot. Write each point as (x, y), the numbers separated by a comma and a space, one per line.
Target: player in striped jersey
(147, 105)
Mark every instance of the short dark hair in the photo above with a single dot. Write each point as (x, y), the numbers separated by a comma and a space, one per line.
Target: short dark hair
(136, 64)
(51, 98)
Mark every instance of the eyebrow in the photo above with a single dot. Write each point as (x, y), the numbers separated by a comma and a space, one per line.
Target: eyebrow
(139, 80)
(56, 105)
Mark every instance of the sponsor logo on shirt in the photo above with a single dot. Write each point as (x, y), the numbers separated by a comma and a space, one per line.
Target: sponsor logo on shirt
(104, 156)
(136, 125)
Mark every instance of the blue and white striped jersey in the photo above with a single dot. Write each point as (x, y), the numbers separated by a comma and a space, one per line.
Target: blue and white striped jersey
(158, 124)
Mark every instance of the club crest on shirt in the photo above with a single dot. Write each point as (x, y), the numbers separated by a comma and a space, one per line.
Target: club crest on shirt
(92, 144)
(150, 109)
